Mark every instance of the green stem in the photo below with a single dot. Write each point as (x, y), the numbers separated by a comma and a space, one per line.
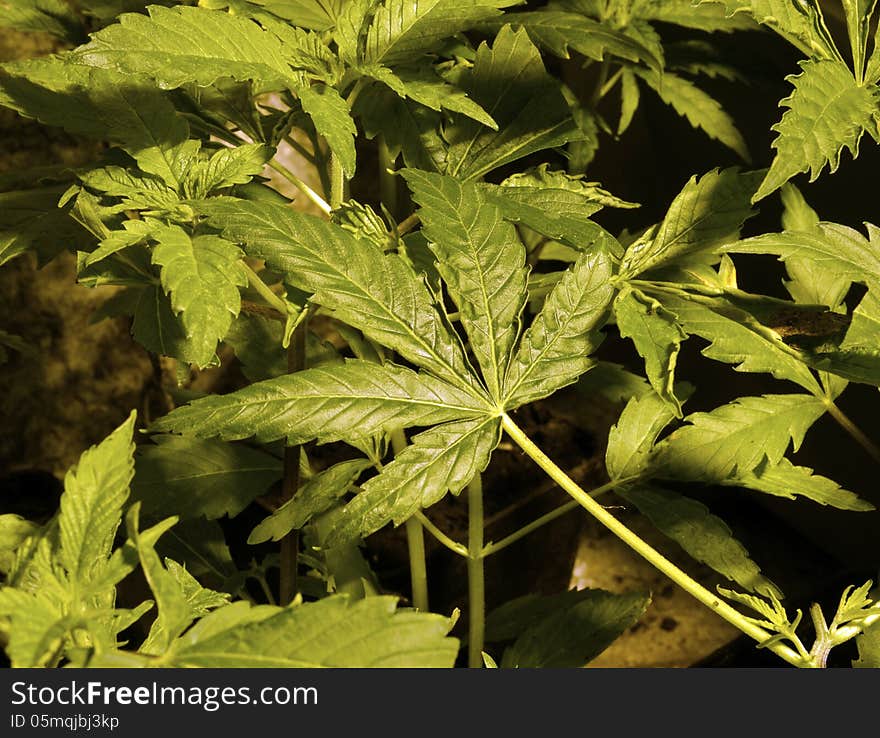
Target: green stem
(296, 361)
(609, 84)
(415, 542)
(264, 291)
(406, 225)
(600, 83)
(851, 428)
(301, 186)
(654, 557)
(337, 182)
(442, 538)
(476, 574)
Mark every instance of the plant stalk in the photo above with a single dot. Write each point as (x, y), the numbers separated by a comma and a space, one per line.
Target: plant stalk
(337, 183)
(654, 557)
(301, 186)
(296, 361)
(264, 291)
(476, 574)
(415, 542)
(854, 431)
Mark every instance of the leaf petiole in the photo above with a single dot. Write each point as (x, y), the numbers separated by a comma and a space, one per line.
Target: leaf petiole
(692, 587)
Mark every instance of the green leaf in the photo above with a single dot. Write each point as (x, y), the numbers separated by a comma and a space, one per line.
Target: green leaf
(858, 22)
(737, 438)
(394, 309)
(174, 614)
(37, 629)
(703, 535)
(827, 112)
(177, 45)
(657, 337)
(799, 22)
(555, 348)
(333, 632)
(226, 167)
(707, 16)
(318, 15)
(202, 276)
(14, 529)
(508, 81)
(699, 108)
(406, 127)
(444, 458)
(190, 477)
(631, 440)
(426, 88)
(354, 401)
(155, 326)
(48, 16)
(869, 648)
(317, 495)
(784, 479)
(560, 32)
(91, 506)
(30, 219)
(707, 213)
(575, 634)
(127, 111)
(329, 113)
(404, 30)
(481, 261)
(737, 338)
(629, 100)
(810, 283)
(834, 249)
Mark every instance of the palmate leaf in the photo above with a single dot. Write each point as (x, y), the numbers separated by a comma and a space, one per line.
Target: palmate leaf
(657, 337)
(833, 248)
(799, 22)
(154, 324)
(226, 167)
(787, 480)
(127, 111)
(318, 15)
(403, 30)
(333, 632)
(202, 275)
(555, 349)
(737, 338)
(707, 213)
(827, 112)
(352, 401)
(858, 22)
(561, 32)
(573, 635)
(190, 477)
(632, 438)
(377, 293)
(314, 497)
(183, 44)
(699, 108)
(407, 127)
(444, 458)
(425, 87)
(703, 535)
(707, 16)
(509, 82)
(91, 505)
(736, 438)
(481, 261)
(329, 113)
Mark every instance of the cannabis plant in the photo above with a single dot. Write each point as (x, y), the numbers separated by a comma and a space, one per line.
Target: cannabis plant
(388, 343)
